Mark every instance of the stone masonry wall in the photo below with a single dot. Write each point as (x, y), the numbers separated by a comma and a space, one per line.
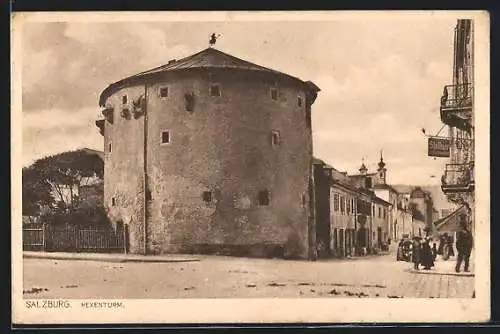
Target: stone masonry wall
(222, 146)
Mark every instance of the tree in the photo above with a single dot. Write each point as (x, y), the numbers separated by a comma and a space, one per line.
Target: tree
(36, 192)
(66, 171)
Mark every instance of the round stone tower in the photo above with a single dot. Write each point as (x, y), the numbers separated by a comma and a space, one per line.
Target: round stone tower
(210, 154)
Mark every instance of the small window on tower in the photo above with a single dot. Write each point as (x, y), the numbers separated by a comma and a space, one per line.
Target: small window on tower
(264, 197)
(207, 196)
(124, 99)
(275, 137)
(274, 94)
(165, 137)
(215, 90)
(113, 201)
(109, 147)
(163, 91)
(299, 101)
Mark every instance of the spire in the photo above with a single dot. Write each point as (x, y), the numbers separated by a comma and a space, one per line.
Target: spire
(381, 164)
(363, 168)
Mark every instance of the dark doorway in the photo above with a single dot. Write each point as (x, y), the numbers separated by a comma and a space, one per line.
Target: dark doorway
(362, 237)
(342, 242)
(379, 236)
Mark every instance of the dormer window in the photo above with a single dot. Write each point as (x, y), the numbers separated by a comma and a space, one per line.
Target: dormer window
(215, 90)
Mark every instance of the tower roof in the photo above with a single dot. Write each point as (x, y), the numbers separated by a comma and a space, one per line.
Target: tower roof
(381, 163)
(363, 168)
(208, 58)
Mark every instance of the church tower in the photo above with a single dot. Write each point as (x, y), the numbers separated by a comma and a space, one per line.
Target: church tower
(363, 170)
(382, 171)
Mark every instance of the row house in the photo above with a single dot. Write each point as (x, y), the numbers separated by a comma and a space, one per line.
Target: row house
(380, 223)
(350, 220)
(343, 218)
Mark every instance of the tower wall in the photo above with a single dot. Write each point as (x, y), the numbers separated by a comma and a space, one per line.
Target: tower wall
(223, 146)
(123, 167)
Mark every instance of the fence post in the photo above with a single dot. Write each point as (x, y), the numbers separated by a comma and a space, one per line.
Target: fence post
(76, 233)
(124, 239)
(43, 238)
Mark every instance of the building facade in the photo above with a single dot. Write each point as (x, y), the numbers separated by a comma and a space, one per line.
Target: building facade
(343, 199)
(211, 153)
(422, 208)
(457, 111)
(399, 219)
(403, 222)
(350, 219)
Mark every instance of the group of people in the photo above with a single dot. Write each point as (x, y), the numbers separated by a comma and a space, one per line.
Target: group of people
(423, 254)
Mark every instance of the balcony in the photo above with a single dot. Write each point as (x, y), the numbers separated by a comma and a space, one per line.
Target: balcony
(458, 178)
(456, 106)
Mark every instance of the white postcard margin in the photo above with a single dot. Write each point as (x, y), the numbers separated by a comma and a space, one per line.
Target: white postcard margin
(317, 310)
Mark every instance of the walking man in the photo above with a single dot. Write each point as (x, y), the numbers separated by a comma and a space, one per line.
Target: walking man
(464, 244)
(416, 252)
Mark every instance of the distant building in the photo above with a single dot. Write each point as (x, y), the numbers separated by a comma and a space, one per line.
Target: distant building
(403, 222)
(445, 212)
(422, 209)
(92, 194)
(91, 190)
(399, 221)
(350, 219)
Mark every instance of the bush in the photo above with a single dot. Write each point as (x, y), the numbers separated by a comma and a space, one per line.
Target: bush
(80, 215)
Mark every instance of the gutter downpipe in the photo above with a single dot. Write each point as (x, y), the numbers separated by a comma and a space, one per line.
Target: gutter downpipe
(145, 166)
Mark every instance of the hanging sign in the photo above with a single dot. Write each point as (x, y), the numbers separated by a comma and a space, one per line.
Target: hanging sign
(439, 147)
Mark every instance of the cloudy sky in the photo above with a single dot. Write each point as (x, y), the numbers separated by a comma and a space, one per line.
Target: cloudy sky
(381, 80)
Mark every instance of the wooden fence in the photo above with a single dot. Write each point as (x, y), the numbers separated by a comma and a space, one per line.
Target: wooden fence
(71, 238)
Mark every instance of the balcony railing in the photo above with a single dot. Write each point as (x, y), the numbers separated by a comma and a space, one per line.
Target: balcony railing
(457, 97)
(456, 106)
(458, 178)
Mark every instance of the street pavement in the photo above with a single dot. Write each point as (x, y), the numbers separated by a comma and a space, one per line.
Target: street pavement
(231, 277)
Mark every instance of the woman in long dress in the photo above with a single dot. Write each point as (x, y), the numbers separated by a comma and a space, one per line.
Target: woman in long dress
(427, 258)
(416, 253)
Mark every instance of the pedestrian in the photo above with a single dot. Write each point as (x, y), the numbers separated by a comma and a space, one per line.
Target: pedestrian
(442, 241)
(427, 257)
(450, 245)
(416, 252)
(434, 251)
(464, 244)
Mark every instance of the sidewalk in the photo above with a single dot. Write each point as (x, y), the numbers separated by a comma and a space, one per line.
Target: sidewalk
(109, 257)
(446, 268)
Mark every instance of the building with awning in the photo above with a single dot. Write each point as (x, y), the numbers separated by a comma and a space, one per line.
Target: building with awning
(451, 223)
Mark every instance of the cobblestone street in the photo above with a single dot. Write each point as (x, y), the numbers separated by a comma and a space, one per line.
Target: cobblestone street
(226, 277)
